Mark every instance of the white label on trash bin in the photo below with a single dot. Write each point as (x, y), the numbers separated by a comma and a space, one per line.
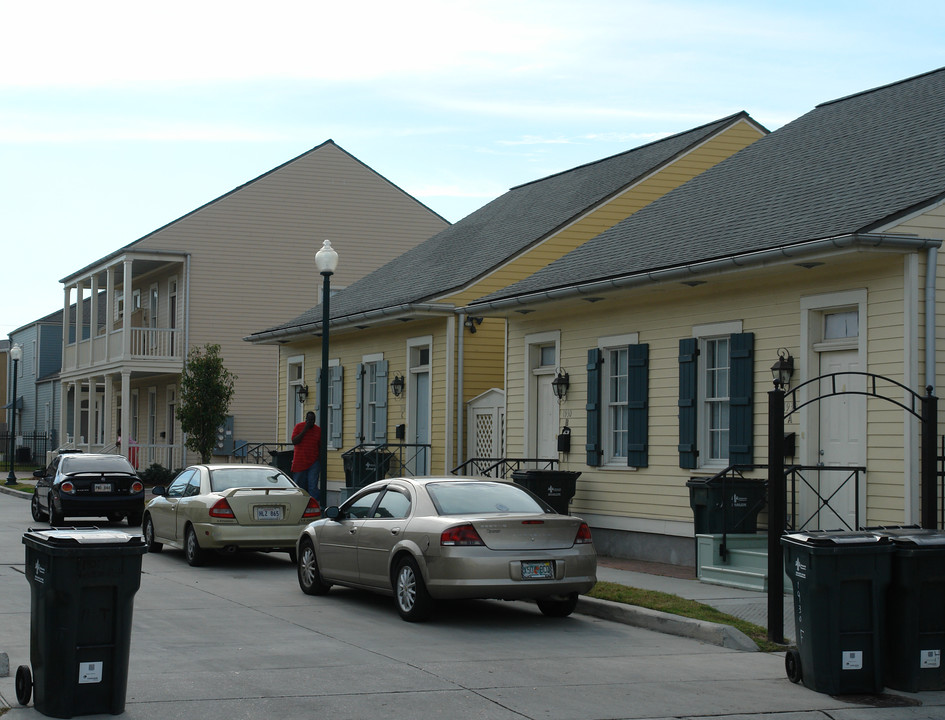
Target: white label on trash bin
(90, 672)
(852, 659)
(930, 658)
(800, 570)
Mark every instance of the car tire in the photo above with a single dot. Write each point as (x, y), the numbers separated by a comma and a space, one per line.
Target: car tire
(195, 555)
(55, 517)
(147, 529)
(410, 592)
(134, 519)
(561, 606)
(310, 577)
(36, 511)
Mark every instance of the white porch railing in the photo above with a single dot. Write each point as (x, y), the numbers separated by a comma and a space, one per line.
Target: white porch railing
(145, 344)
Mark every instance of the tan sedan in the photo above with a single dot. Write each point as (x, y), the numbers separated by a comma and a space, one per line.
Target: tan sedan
(228, 508)
(439, 538)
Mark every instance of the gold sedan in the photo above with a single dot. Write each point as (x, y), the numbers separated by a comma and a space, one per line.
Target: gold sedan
(228, 508)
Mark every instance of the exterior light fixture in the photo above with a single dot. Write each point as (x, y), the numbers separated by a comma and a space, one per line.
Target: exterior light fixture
(472, 322)
(783, 369)
(397, 385)
(560, 384)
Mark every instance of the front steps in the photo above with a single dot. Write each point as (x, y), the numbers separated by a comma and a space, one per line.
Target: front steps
(744, 566)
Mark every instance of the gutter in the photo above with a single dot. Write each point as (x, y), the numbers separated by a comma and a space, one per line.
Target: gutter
(711, 267)
(931, 271)
(297, 332)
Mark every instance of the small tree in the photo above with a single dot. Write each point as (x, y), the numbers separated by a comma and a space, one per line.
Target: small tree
(206, 388)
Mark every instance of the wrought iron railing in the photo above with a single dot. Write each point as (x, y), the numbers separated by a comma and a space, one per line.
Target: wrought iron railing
(503, 467)
(261, 453)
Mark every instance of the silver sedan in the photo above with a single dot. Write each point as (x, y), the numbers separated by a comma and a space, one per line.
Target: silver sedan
(439, 538)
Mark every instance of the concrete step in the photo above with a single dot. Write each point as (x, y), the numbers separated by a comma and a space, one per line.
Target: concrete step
(734, 577)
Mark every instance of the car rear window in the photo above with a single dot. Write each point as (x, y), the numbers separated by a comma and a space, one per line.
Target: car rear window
(248, 477)
(468, 498)
(102, 463)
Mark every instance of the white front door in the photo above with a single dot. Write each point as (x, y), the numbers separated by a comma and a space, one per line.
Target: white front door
(420, 425)
(546, 440)
(840, 444)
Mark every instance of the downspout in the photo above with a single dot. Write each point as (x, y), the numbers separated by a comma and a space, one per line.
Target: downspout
(931, 273)
(459, 390)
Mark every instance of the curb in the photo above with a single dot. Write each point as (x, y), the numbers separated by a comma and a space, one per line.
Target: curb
(707, 632)
(16, 493)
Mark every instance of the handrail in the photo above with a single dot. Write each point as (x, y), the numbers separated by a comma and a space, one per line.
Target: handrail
(502, 467)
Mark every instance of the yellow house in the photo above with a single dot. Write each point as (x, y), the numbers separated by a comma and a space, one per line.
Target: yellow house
(211, 277)
(406, 367)
(817, 244)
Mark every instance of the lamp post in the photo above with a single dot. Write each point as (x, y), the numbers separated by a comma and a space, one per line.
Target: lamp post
(326, 260)
(16, 353)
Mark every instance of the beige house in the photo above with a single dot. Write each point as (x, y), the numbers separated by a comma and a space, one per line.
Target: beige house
(408, 370)
(819, 242)
(210, 277)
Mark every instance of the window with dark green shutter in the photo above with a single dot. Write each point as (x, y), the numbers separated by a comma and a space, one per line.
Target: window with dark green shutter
(638, 373)
(741, 429)
(688, 399)
(593, 445)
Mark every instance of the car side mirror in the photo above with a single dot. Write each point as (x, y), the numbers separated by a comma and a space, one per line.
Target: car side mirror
(159, 490)
(333, 512)
(38, 473)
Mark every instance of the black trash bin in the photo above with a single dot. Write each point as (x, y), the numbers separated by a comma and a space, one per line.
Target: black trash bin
(840, 581)
(82, 585)
(555, 487)
(915, 609)
(726, 505)
(363, 467)
(282, 460)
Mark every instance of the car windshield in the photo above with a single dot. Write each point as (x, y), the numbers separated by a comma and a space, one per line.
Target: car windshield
(474, 498)
(248, 477)
(96, 464)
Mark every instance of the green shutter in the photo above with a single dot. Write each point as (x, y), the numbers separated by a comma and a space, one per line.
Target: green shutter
(638, 374)
(335, 420)
(380, 403)
(688, 428)
(359, 405)
(741, 387)
(593, 446)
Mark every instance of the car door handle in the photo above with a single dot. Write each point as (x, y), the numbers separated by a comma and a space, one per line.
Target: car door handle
(395, 531)
(352, 531)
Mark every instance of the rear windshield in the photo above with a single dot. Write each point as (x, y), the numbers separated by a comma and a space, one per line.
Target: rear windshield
(475, 498)
(96, 464)
(248, 477)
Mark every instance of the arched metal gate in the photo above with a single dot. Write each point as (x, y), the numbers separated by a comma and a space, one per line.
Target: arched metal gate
(923, 407)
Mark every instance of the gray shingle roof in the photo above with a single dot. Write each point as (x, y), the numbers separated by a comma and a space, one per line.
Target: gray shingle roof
(849, 166)
(501, 229)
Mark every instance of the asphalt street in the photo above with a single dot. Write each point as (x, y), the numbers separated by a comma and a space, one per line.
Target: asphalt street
(238, 639)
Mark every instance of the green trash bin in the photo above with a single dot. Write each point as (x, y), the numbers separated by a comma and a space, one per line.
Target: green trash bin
(915, 609)
(82, 585)
(555, 487)
(362, 467)
(726, 505)
(282, 460)
(840, 581)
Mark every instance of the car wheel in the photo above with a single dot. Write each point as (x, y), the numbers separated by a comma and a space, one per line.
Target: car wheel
(310, 579)
(147, 529)
(23, 684)
(561, 606)
(55, 517)
(410, 593)
(36, 510)
(192, 551)
(134, 519)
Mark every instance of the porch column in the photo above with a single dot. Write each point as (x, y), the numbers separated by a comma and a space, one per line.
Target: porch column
(125, 424)
(107, 406)
(109, 309)
(66, 303)
(93, 319)
(76, 411)
(79, 319)
(63, 406)
(126, 316)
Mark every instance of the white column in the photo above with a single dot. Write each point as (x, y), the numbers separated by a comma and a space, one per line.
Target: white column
(93, 319)
(125, 424)
(79, 319)
(107, 405)
(66, 303)
(126, 317)
(63, 403)
(76, 411)
(109, 309)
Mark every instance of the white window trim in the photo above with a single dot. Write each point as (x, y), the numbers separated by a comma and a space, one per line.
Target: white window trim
(605, 344)
(532, 342)
(702, 333)
(363, 421)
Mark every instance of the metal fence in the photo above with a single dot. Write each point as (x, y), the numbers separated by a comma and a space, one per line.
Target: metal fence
(30, 448)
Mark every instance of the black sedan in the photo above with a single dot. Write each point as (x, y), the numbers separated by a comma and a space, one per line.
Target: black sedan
(88, 485)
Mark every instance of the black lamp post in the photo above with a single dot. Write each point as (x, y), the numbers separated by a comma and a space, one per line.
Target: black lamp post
(326, 260)
(16, 353)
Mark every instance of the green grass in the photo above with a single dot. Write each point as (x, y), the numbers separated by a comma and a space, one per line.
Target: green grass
(675, 605)
(22, 488)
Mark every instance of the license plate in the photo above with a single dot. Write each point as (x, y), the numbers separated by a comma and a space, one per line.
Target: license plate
(268, 513)
(538, 570)
(102, 487)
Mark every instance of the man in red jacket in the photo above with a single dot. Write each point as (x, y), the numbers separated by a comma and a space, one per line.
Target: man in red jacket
(306, 436)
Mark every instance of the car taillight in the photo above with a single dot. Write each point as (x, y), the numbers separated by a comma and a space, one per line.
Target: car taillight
(137, 486)
(583, 535)
(461, 535)
(222, 509)
(312, 510)
(67, 487)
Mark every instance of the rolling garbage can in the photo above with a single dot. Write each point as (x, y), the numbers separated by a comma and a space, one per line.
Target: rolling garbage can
(82, 586)
(729, 505)
(915, 609)
(840, 581)
(282, 460)
(363, 467)
(555, 487)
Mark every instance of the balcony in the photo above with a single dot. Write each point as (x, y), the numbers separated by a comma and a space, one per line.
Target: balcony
(161, 345)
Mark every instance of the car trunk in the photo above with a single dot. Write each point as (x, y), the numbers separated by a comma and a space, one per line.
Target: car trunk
(267, 506)
(527, 532)
(94, 483)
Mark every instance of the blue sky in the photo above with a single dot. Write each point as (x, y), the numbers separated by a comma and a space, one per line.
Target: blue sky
(119, 117)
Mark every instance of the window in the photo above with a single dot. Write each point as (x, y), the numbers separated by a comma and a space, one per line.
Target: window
(841, 325)
(715, 397)
(372, 401)
(617, 404)
(395, 503)
(295, 408)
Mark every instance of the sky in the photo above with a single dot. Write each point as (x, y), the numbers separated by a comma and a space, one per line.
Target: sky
(119, 117)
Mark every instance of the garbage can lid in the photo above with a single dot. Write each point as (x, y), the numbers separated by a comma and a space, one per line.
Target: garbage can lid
(836, 537)
(921, 538)
(82, 536)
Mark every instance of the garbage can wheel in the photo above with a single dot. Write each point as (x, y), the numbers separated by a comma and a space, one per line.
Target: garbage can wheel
(792, 665)
(24, 684)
